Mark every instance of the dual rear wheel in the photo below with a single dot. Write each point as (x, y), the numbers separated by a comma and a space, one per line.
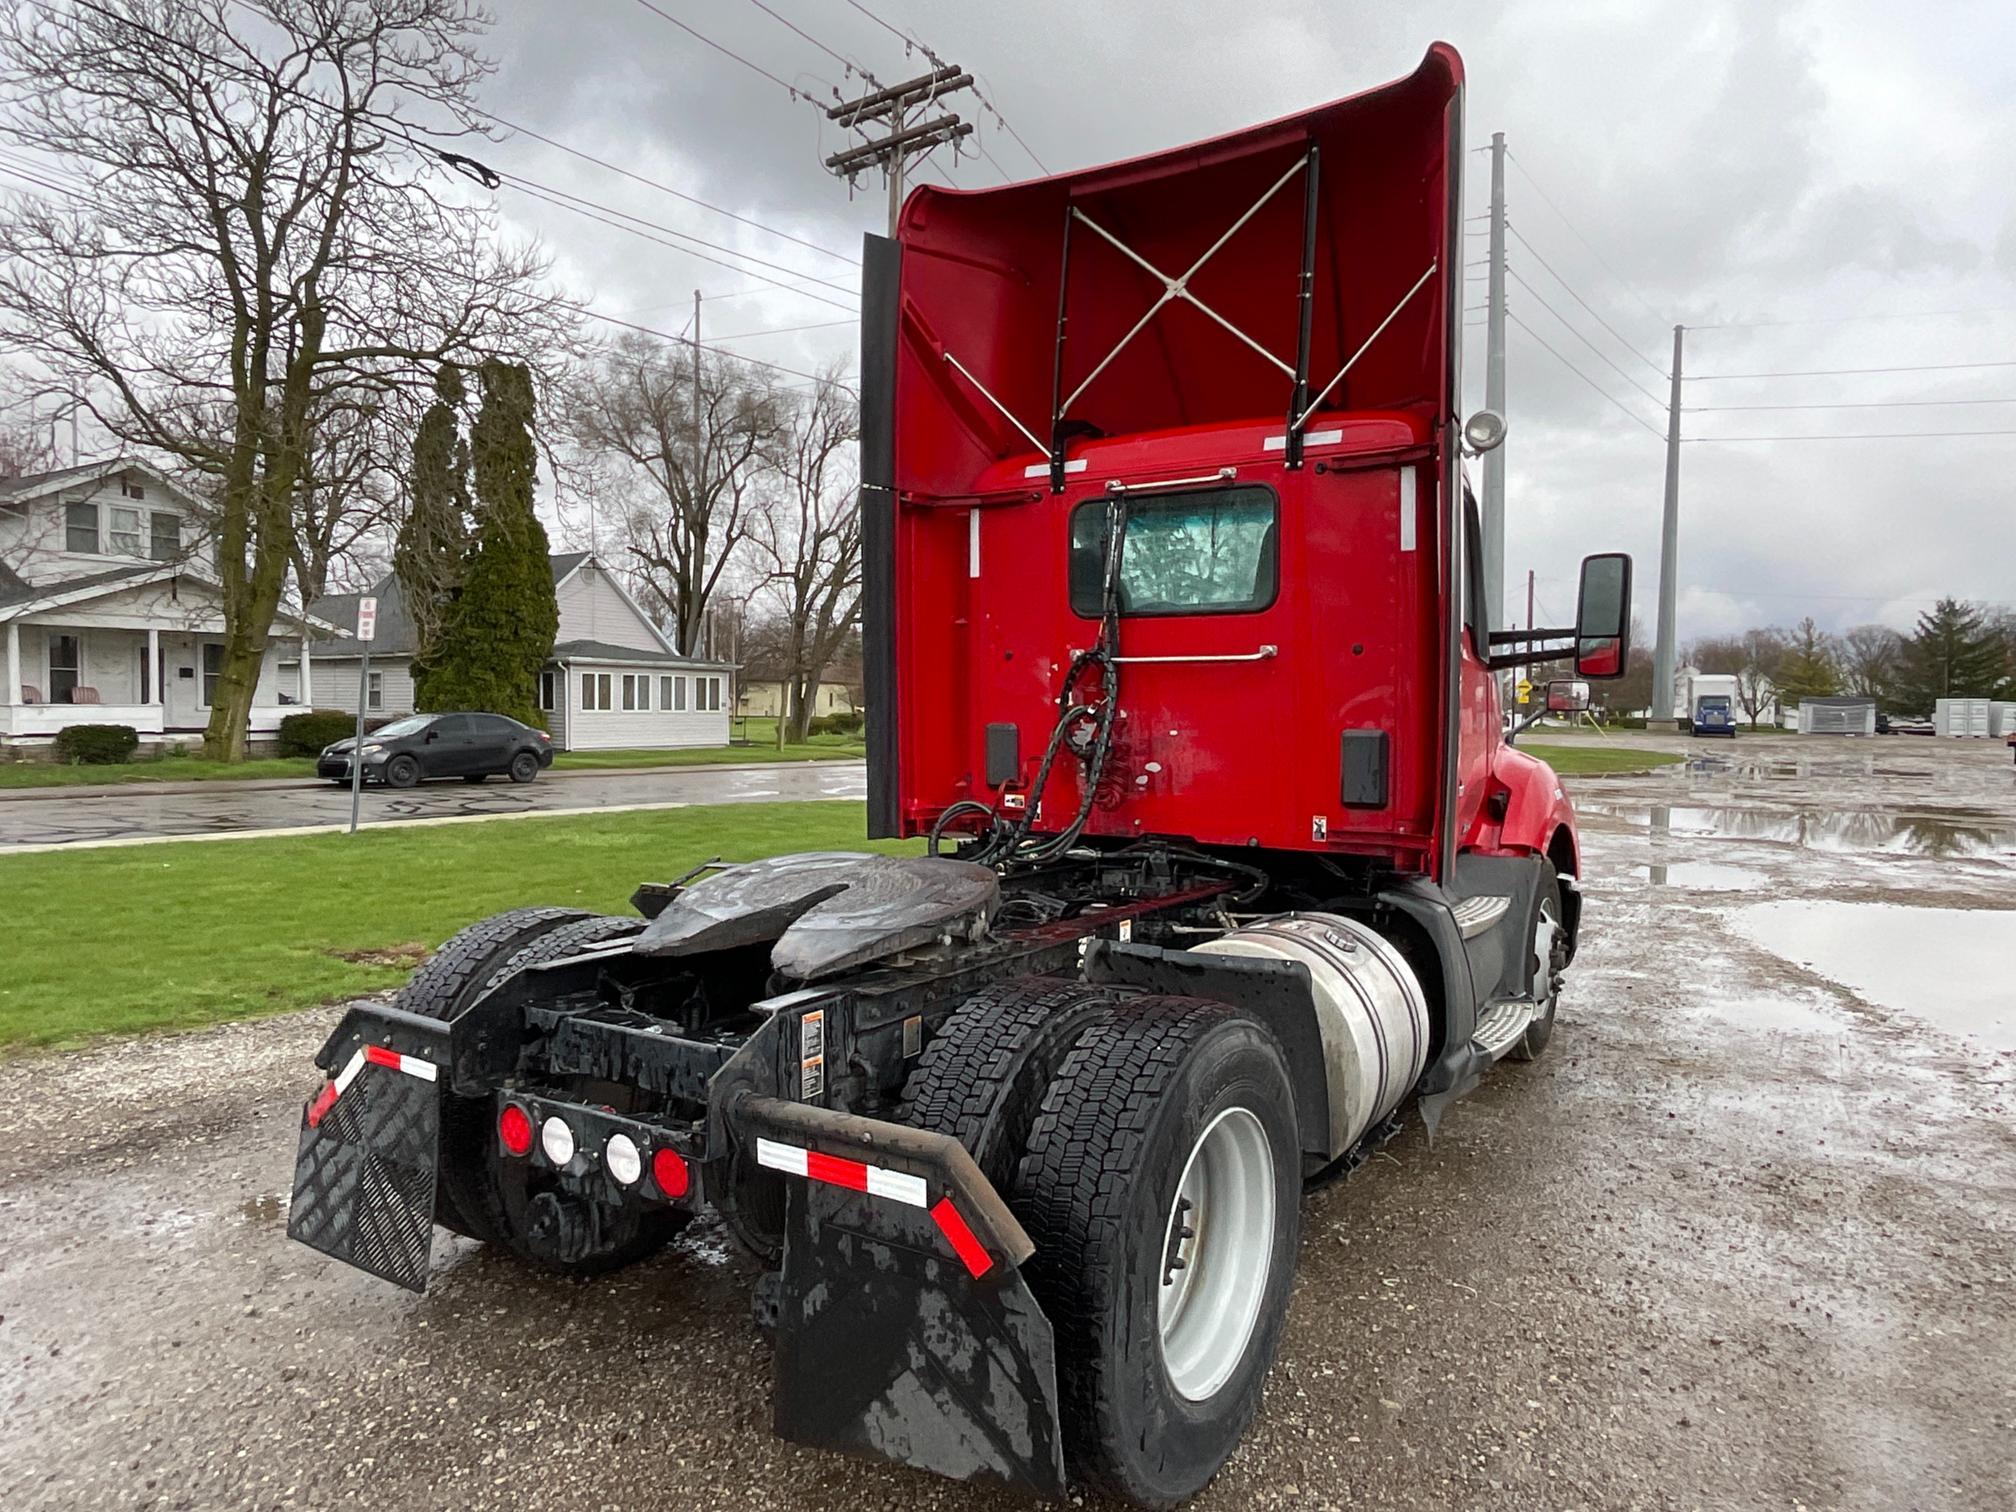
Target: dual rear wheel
(1157, 1171)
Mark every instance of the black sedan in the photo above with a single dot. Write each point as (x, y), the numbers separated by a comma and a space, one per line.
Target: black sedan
(469, 746)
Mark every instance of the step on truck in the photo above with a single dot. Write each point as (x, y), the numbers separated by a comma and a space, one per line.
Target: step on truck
(1179, 672)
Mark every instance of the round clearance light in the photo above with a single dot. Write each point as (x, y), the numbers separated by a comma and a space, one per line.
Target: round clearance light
(669, 1171)
(1484, 431)
(557, 1140)
(515, 1129)
(620, 1155)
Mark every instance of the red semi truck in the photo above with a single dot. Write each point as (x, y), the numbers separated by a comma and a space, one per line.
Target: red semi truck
(1177, 661)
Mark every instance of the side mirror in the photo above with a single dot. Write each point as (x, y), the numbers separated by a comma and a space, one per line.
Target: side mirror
(430, 737)
(1483, 432)
(1567, 696)
(1603, 616)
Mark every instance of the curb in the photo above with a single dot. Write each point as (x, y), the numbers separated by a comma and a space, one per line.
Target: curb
(276, 784)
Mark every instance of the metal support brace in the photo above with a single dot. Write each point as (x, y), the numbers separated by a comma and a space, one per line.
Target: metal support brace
(1298, 401)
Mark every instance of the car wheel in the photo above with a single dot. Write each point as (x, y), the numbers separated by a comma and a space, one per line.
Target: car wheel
(524, 767)
(476, 777)
(402, 772)
(1550, 959)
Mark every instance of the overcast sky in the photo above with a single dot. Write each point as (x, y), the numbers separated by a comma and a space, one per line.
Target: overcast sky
(1729, 161)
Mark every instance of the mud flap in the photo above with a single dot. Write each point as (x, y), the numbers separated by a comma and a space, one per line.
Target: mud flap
(366, 1168)
(903, 1333)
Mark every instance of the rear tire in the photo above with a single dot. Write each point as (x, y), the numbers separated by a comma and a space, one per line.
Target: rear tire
(524, 767)
(983, 1076)
(1157, 1388)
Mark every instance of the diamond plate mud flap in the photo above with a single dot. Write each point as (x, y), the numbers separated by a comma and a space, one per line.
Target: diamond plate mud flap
(364, 1175)
(905, 1330)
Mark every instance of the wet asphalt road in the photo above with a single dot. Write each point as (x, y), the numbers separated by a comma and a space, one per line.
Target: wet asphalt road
(1744, 1238)
(58, 818)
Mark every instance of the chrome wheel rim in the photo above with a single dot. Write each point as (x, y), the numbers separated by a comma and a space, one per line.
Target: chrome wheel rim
(1217, 1253)
(1548, 941)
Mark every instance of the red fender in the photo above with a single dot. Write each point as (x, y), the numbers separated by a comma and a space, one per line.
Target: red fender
(1526, 812)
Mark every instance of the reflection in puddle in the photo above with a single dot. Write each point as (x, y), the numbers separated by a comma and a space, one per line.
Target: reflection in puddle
(268, 1209)
(1949, 833)
(1950, 966)
(1703, 876)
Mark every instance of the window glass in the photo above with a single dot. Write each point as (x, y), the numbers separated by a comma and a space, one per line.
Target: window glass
(679, 695)
(167, 537)
(664, 692)
(131, 489)
(412, 724)
(1473, 574)
(80, 528)
(547, 688)
(1210, 552)
(213, 671)
(375, 697)
(125, 532)
(65, 660)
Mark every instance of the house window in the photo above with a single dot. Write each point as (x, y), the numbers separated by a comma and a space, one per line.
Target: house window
(125, 532)
(713, 690)
(595, 690)
(665, 692)
(80, 528)
(213, 671)
(678, 695)
(374, 692)
(549, 689)
(167, 537)
(131, 489)
(636, 692)
(65, 658)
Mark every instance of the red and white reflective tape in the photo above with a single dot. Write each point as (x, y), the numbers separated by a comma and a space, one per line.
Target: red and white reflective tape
(376, 1055)
(877, 1181)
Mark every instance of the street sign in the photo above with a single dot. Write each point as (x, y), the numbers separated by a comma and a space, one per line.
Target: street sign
(367, 632)
(1525, 687)
(367, 620)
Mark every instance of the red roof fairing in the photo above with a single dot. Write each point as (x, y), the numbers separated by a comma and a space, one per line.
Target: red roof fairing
(981, 274)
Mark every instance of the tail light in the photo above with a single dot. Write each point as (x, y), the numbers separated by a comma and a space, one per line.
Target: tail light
(621, 1156)
(669, 1171)
(514, 1129)
(557, 1140)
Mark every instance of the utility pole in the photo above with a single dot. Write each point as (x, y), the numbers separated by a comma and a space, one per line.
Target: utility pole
(1494, 398)
(902, 141)
(1669, 550)
(699, 484)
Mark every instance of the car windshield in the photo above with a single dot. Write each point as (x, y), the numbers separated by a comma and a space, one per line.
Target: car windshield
(412, 724)
(1716, 701)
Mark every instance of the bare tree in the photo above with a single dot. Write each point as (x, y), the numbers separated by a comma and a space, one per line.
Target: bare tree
(811, 539)
(349, 483)
(1756, 676)
(1868, 656)
(263, 231)
(697, 439)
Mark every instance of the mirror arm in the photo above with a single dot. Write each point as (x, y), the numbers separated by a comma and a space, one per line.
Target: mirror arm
(1525, 658)
(1515, 637)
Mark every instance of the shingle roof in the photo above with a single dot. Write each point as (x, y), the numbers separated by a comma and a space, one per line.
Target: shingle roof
(564, 562)
(14, 591)
(592, 650)
(28, 485)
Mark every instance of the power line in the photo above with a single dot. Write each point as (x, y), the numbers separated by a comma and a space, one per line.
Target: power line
(687, 341)
(728, 52)
(1709, 409)
(1858, 436)
(1748, 325)
(1621, 341)
(910, 40)
(1513, 273)
(844, 61)
(817, 325)
(1627, 410)
(1929, 367)
(1562, 215)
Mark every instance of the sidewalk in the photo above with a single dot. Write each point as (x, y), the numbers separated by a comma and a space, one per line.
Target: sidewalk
(266, 784)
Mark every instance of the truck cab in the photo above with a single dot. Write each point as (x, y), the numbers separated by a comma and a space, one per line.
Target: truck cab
(1714, 714)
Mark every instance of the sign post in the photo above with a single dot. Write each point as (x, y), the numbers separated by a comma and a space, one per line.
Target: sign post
(367, 631)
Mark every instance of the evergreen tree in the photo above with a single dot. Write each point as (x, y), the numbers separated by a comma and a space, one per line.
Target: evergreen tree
(433, 543)
(499, 630)
(1954, 653)
(1806, 668)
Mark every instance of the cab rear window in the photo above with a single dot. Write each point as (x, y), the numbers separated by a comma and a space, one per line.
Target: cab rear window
(1209, 552)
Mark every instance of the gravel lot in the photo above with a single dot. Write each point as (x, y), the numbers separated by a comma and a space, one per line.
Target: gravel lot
(1745, 1237)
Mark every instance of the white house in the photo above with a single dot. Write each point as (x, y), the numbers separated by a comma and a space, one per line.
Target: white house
(615, 682)
(111, 611)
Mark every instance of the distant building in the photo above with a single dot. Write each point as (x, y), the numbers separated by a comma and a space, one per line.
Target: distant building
(615, 682)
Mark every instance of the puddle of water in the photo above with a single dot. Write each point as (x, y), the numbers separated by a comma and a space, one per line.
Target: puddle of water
(1951, 833)
(1950, 966)
(1781, 1014)
(1702, 876)
(268, 1209)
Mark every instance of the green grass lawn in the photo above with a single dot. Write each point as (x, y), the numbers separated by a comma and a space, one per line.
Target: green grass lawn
(762, 747)
(1594, 759)
(188, 934)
